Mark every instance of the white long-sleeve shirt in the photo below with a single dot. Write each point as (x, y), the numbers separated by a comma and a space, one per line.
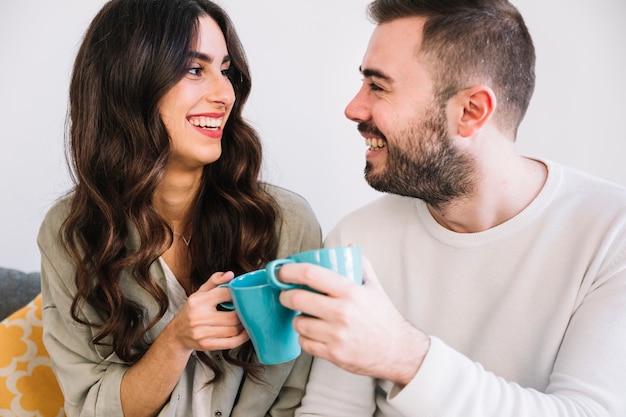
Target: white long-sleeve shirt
(527, 319)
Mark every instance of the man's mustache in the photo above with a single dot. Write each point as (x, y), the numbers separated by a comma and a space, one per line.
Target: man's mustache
(369, 129)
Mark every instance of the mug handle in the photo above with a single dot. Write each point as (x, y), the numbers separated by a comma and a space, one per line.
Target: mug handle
(271, 269)
(226, 305)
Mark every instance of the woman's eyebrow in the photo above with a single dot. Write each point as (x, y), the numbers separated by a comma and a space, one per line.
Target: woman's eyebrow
(206, 58)
(200, 56)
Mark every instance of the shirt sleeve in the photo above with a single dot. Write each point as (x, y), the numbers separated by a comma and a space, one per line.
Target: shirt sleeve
(450, 384)
(89, 378)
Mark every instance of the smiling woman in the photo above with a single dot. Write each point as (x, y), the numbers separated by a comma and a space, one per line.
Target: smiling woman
(166, 206)
(196, 109)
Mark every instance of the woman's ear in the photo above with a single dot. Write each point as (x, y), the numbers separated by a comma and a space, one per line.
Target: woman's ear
(475, 106)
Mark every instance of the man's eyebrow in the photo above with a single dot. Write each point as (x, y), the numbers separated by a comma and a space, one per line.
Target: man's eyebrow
(373, 73)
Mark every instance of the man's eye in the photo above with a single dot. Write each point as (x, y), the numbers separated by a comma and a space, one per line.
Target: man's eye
(374, 87)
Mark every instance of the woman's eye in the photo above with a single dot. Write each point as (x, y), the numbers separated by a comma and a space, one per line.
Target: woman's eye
(228, 72)
(195, 70)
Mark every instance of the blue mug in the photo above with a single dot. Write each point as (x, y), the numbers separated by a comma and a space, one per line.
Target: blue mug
(266, 320)
(344, 260)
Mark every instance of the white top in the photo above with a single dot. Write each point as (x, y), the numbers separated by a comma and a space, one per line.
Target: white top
(194, 390)
(527, 319)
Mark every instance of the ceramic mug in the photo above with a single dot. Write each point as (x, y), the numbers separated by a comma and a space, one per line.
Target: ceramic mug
(344, 260)
(266, 320)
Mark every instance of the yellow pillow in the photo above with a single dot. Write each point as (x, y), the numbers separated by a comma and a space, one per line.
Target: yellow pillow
(28, 386)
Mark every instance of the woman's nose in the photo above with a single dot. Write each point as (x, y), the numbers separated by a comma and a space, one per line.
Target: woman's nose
(221, 90)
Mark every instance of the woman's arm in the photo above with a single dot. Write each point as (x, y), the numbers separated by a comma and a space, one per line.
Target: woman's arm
(94, 380)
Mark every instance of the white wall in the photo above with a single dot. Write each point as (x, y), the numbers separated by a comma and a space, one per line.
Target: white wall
(304, 58)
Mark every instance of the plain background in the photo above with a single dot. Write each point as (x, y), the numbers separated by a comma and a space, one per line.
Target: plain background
(304, 58)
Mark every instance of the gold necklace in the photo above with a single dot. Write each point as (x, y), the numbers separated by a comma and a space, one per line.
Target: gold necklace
(186, 241)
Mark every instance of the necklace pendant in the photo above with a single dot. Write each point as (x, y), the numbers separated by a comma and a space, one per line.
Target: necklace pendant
(186, 241)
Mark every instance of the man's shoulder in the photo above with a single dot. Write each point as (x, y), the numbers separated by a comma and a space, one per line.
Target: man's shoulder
(385, 212)
(590, 186)
(383, 217)
(388, 205)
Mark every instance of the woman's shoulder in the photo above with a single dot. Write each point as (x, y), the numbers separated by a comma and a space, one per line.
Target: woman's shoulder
(49, 235)
(287, 199)
(56, 214)
(298, 227)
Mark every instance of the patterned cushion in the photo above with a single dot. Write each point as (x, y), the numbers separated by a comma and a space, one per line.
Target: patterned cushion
(28, 386)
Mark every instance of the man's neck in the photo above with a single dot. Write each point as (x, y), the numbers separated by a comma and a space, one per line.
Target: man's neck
(496, 197)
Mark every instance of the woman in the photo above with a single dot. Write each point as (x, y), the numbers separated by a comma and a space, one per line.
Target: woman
(166, 195)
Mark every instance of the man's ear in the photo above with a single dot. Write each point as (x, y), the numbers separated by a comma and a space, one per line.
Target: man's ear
(475, 107)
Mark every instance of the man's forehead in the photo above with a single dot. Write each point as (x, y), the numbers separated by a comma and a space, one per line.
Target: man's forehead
(401, 37)
(405, 28)
(393, 45)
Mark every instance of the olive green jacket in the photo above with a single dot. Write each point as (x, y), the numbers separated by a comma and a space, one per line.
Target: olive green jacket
(90, 375)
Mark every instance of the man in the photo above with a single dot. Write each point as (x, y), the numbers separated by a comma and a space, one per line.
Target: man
(500, 284)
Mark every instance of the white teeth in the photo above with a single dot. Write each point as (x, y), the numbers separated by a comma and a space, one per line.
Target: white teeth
(206, 122)
(375, 143)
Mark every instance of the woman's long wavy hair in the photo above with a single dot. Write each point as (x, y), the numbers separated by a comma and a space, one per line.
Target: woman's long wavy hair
(133, 53)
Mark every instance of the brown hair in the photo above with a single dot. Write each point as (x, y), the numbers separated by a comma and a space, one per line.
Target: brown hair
(133, 53)
(473, 41)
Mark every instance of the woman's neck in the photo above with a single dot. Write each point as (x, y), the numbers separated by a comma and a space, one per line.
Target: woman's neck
(174, 199)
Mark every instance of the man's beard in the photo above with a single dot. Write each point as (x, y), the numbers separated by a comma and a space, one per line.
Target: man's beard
(422, 162)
